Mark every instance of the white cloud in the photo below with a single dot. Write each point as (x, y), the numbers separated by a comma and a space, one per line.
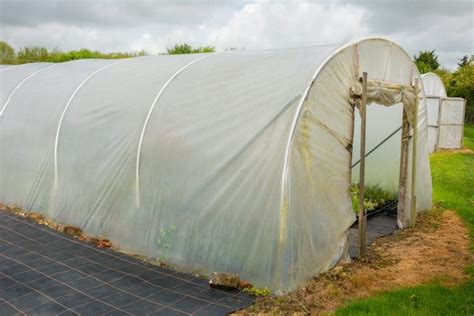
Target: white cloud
(290, 24)
(269, 25)
(154, 26)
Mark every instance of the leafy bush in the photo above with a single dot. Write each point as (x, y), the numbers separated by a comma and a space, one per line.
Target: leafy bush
(426, 61)
(461, 84)
(7, 53)
(188, 49)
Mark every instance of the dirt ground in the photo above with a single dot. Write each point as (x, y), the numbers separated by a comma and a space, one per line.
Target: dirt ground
(437, 249)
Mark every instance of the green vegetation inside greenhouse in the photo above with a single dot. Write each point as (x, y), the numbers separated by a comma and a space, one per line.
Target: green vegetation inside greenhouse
(375, 197)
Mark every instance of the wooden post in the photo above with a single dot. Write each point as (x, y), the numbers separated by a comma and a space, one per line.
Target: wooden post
(362, 218)
(463, 120)
(413, 157)
(440, 102)
(402, 195)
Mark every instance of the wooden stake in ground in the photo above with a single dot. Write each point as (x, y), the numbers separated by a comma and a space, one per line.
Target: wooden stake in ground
(402, 195)
(362, 217)
(413, 157)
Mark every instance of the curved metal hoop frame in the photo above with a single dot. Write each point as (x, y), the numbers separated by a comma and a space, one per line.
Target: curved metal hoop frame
(147, 119)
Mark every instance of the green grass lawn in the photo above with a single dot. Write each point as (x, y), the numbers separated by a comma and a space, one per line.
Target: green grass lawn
(453, 188)
(469, 136)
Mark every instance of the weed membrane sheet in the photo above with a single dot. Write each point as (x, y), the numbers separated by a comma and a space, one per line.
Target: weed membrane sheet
(44, 272)
(378, 225)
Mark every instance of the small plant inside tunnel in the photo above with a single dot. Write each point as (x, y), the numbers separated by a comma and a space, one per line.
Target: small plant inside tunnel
(375, 197)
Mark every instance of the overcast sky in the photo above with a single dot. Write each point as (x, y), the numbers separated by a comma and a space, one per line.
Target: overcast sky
(131, 25)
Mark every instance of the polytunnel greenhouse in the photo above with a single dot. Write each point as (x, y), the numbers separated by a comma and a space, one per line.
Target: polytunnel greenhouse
(239, 161)
(445, 115)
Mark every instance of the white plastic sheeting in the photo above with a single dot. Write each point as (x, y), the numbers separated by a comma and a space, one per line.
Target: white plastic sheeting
(432, 107)
(433, 85)
(245, 157)
(434, 92)
(451, 123)
(445, 115)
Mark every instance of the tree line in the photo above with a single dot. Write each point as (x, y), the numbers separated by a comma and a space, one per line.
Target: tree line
(33, 54)
(188, 49)
(458, 83)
